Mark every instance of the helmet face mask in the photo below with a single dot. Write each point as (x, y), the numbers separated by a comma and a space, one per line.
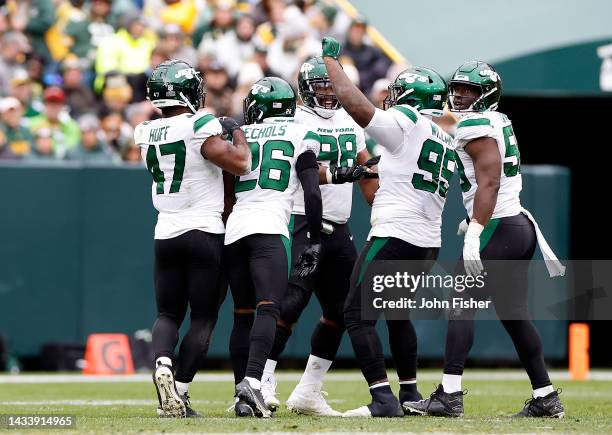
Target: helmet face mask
(463, 97)
(315, 88)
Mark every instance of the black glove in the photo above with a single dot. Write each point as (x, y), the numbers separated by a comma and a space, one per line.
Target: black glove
(372, 162)
(308, 260)
(228, 125)
(349, 174)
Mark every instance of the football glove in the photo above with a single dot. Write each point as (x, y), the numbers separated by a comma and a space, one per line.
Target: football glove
(462, 228)
(308, 260)
(331, 47)
(349, 174)
(471, 249)
(228, 125)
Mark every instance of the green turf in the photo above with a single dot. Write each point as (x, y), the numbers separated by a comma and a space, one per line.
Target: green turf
(487, 406)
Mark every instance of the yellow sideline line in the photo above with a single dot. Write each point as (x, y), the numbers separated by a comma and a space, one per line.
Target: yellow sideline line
(373, 33)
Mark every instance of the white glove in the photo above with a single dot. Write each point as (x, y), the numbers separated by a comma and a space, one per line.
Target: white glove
(471, 249)
(462, 228)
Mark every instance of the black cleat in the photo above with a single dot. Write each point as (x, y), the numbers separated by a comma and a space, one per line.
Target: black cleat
(253, 398)
(377, 408)
(548, 406)
(439, 404)
(405, 397)
(189, 411)
(243, 409)
(170, 403)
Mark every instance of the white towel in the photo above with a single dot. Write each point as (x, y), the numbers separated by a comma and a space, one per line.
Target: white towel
(554, 266)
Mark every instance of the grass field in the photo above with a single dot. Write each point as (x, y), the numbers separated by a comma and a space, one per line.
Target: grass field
(103, 407)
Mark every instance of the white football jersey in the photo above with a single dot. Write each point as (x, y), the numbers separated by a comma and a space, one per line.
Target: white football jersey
(415, 168)
(497, 126)
(264, 196)
(187, 189)
(341, 140)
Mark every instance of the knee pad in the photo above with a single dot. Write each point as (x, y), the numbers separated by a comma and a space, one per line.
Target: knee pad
(271, 310)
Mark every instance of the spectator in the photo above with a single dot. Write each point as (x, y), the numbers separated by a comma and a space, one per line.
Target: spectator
(117, 93)
(260, 57)
(131, 154)
(371, 63)
(139, 112)
(128, 51)
(88, 31)
(222, 21)
(236, 47)
(65, 132)
(157, 56)
(17, 137)
(219, 94)
(22, 88)
(179, 12)
(249, 74)
(380, 91)
(43, 146)
(5, 150)
(292, 46)
(79, 97)
(172, 43)
(92, 149)
(35, 18)
(35, 67)
(14, 47)
(117, 133)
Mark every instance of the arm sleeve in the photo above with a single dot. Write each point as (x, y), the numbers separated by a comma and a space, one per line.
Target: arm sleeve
(388, 129)
(308, 173)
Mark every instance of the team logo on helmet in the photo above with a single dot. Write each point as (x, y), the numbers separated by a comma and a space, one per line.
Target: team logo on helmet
(259, 89)
(412, 78)
(188, 73)
(490, 73)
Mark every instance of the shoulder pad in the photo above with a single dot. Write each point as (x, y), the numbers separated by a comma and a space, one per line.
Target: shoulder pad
(408, 111)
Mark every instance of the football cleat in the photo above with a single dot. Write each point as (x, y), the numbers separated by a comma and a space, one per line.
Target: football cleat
(189, 411)
(439, 404)
(268, 391)
(405, 398)
(548, 406)
(310, 400)
(170, 403)
(253, 398)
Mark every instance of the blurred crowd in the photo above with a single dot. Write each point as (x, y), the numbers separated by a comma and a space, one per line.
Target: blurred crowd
(73, 72)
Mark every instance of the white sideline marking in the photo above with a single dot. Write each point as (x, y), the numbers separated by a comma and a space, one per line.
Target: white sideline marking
(476, 375)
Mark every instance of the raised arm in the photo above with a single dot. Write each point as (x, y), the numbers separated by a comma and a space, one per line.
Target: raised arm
(352, 99)
(235, 157)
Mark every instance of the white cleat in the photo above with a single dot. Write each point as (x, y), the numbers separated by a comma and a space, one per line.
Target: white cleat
(170, 403)
(310, 400)
(363, 412)
(268, 391)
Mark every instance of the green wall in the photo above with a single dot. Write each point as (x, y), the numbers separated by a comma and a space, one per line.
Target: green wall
(76, 257)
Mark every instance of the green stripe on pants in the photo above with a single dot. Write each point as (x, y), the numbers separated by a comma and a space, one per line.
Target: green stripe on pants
(487, 233)
(375, 247)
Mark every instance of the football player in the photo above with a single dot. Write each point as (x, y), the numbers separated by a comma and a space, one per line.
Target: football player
(342, 147)
(415, 168)
(185, 154)
(498, 228)
(257, 238)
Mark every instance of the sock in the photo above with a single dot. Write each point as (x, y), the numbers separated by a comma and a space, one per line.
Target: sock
(269, 368)
(542, 392)
(381, 392)
(163, 360)
(451, 383)
(254, 383)
(181, 387)
(408, 391)
(315, 371)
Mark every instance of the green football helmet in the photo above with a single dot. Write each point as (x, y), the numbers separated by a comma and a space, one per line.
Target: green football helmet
(315, 88)
(269, 97)
(176, 83)
(482, 76)
(422, 88)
